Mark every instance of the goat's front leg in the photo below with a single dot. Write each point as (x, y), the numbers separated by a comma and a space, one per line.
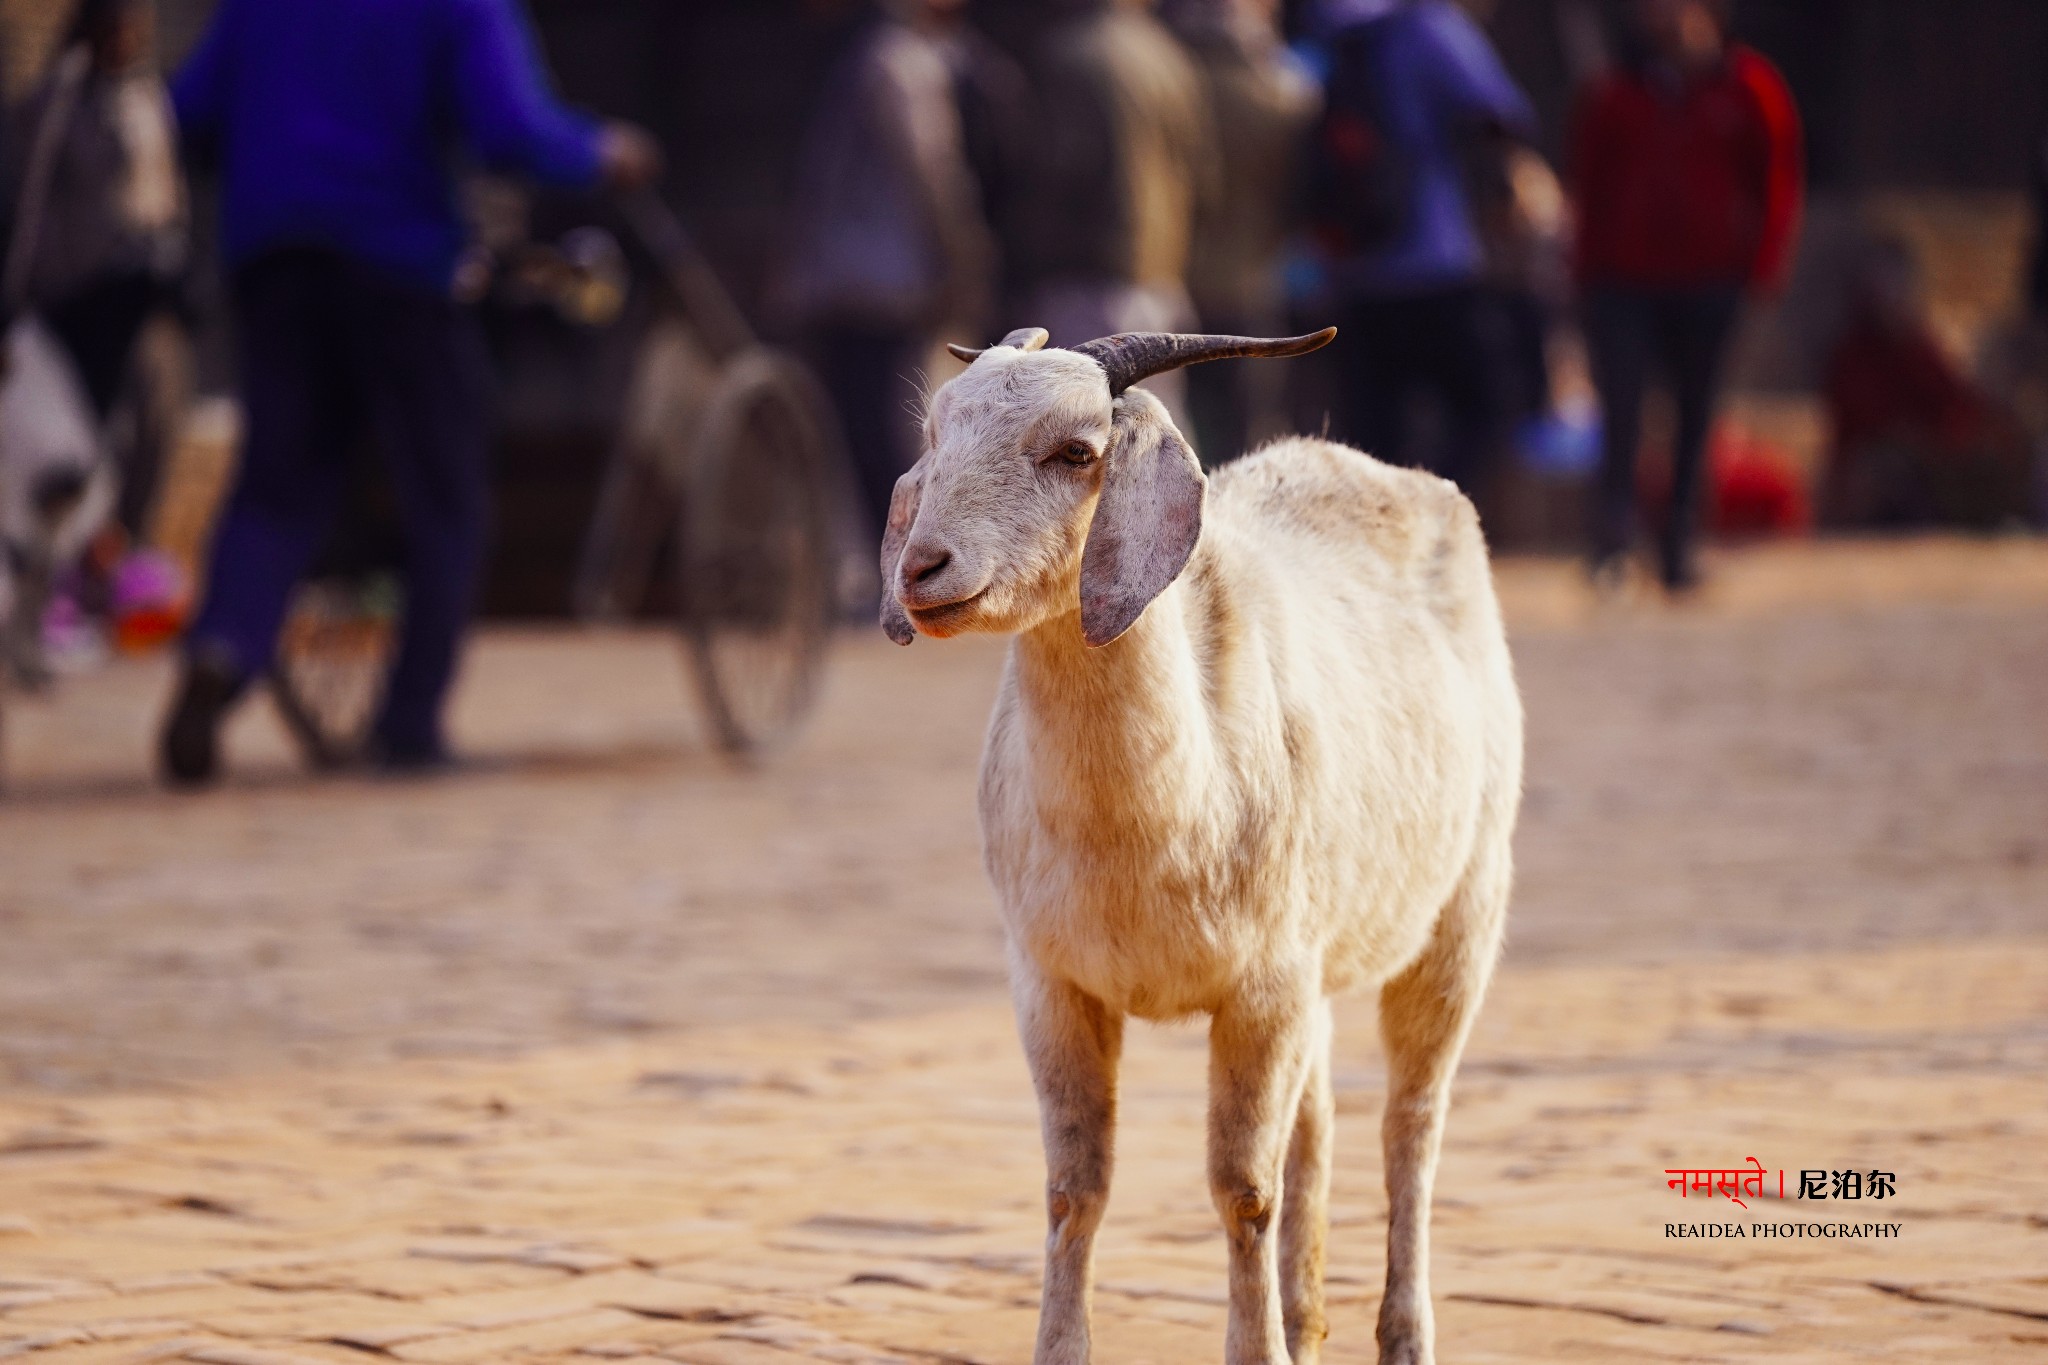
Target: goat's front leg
(1258, 1059)
(1072, 1042)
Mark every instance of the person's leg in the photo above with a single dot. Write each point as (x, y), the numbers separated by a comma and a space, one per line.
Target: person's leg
(1466, 349)
(1617, 335)
(871, 376)
(426, 375)
(1525, 325)
(1695, 329)
(288, 486)
(1372, 398)
(98, 324)
(1232, 404)
(1219, 404)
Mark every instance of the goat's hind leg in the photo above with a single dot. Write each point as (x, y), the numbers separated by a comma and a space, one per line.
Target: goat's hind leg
(1072, 1042)
(1305, 1203)
(1425, 1014)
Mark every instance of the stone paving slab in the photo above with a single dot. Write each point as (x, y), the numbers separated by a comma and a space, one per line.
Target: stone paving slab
(807, 1210)
(604, 1051)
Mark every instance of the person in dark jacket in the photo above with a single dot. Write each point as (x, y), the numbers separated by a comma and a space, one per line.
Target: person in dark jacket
(340, 227)
(1262, 100)
(2037, 250)
(1417, 320)
(1687, 171)
(1125, 161)
(890, 251)
(101, 193)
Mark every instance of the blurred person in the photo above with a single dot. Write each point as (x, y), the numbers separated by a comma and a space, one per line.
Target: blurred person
(1525, 226)
(1125, 159)
(101, 195)
(890, 251)
(1688, 180)
(1414, 87)
(341, 231)
(1262, 101)
(2015, 365)
(996, 128)
(2037, 252)
(1914, 441)
(98, 248)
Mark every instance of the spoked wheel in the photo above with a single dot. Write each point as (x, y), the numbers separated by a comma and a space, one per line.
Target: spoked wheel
(674, 381)
(333, 656)
(756, 558)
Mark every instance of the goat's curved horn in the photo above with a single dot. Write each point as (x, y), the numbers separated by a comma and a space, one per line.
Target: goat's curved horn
(1129, 357)
(1024, 339)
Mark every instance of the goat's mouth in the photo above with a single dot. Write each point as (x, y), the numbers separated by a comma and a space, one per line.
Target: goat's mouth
(948, 618)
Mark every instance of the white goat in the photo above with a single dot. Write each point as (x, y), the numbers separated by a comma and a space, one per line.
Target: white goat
(1244, 756)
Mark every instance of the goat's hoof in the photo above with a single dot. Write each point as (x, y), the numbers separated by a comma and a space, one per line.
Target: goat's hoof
(1305, 1342)
(1402, 1349)
(1405, 1343)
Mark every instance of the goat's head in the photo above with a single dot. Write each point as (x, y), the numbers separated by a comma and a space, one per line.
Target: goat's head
(1047, 483)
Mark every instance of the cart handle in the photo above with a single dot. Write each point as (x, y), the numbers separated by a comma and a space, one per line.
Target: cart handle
(709, 305)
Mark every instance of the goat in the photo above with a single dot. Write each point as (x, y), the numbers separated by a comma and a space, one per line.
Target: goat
(1253, 745)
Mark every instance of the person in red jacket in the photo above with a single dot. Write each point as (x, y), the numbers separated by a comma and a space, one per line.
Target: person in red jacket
(1688, 177)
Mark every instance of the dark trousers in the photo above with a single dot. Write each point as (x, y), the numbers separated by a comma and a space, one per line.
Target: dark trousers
(1445, 347)
(1685, 333)
(332, 350)
(872, 376)
(98, 324)
(1227, 403)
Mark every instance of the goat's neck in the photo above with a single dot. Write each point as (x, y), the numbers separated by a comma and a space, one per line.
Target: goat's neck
(1130, 717)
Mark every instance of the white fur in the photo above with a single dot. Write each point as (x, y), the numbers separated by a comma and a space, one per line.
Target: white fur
(1297, 773)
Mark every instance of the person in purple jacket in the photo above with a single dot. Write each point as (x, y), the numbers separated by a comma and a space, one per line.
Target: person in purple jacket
(337, 124)
(1414, 321)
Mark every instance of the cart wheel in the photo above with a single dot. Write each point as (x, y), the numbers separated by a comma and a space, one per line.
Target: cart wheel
(756, 559)
(635, 516)
(333, 656)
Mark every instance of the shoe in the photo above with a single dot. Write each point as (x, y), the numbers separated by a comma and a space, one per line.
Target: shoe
(191, 736)
(1608, 575)
(1681, 577)
(411, 760)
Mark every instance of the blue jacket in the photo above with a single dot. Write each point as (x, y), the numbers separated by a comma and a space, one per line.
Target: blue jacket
(338, 121)
(1440, 76)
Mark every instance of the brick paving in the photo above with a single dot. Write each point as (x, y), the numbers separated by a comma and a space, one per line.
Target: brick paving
(601, 1051)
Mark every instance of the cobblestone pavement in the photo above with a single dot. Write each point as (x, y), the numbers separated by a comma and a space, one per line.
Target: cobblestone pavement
(601, 1050)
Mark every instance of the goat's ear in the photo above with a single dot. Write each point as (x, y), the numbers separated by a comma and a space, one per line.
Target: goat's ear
(902, 512)
(1147, 519)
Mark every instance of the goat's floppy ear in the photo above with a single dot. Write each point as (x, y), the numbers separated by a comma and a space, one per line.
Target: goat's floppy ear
(1147, 519)
(902, 512)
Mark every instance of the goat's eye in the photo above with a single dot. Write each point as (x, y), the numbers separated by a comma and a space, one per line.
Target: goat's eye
(1077, 453)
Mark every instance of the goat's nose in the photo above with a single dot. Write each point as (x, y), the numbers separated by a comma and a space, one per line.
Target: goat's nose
(922, 563)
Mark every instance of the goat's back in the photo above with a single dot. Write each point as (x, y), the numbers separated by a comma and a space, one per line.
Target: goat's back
(1327, 509)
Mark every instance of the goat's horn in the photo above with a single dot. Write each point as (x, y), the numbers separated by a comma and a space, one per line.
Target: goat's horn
(1129, 357)
(1024, 339)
